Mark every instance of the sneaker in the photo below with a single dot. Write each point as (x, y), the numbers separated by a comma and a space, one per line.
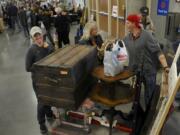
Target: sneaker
(43, 128)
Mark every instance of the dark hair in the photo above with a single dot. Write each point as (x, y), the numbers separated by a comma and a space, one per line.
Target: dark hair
(120, 43)
(144, 11)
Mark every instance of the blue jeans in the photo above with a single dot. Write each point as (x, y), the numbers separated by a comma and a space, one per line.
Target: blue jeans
(149, 82)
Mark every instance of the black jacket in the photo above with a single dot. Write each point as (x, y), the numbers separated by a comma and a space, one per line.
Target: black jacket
(46, 21)
(23, 18)
(62, 23)
(12, 10)
(34, 54)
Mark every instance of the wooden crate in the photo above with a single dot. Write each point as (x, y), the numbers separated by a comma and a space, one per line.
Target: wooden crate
(63, 78)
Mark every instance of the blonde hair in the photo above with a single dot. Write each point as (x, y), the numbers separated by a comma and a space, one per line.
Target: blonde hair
(87, 29)
(58, 10)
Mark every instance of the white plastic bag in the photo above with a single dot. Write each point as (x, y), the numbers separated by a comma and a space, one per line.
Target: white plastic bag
(122, 53)
(115, 59)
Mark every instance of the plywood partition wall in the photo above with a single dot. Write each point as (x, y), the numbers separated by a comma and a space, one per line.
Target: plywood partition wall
(90, 4)
(103, 22)
(103, 6)
(94, 4)
(122, 8)
(113, 25)
(97, 13)
(113, 19)
(103, 15)
(121, 29)
(121, 19)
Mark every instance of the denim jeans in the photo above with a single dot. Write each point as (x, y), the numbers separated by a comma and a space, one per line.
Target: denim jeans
(149, 82)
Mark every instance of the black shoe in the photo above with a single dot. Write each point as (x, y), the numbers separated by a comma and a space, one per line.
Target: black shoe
(43, 128)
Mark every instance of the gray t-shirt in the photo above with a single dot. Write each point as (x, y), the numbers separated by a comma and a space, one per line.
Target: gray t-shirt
(143, 51)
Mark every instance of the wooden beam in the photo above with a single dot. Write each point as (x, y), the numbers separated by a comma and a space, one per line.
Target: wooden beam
(89, 9)
(117, 34)
(97, 13)
(109, 18)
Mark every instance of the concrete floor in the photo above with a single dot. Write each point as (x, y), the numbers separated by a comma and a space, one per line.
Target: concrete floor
(17, 99)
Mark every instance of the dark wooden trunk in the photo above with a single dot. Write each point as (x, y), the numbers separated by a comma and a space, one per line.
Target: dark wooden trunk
(63, 78)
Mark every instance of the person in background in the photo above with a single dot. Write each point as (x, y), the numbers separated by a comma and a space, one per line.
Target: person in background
(1, 20)
(144, 54)
(1, 11)
(23, 20)
(34, 16)
(8, 19)
(45, 17)
(62, 25)
(79, 11)
(38, 50)
(176, 43)
(5, 16)
(90, 35)
(69, 7)
(28, 14)
(13, 14)
(146, 20)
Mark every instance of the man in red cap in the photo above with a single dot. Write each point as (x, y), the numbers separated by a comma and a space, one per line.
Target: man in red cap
(144, 54)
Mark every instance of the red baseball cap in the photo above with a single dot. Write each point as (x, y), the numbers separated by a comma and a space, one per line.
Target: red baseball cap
(134, 18)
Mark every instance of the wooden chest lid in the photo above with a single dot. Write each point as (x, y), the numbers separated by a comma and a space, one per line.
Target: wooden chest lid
(66, 57)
